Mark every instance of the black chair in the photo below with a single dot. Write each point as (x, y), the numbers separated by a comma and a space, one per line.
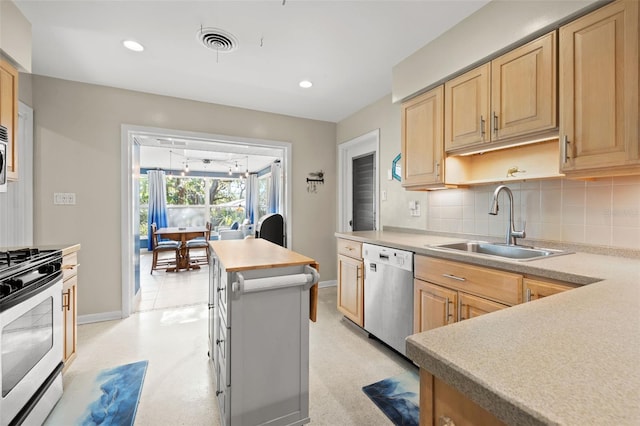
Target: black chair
(163, 246)
(199, 244)
(271, 227)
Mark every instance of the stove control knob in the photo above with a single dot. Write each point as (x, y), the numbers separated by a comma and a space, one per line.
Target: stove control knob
(57, 266)
(15, 283)
(46, 269)
(5, 289)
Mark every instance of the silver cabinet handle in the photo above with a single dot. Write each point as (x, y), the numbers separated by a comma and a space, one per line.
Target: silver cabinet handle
(446, 309)
(528, 297)
(453, 277)
(482, 129)
(565, 149)
(495, 123)
(437, 169)
(460, 305)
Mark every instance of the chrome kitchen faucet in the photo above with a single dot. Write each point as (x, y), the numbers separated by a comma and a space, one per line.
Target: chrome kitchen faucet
(512, 234)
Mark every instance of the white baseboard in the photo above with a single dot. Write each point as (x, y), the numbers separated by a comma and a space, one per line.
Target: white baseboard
(330, 283)
(103, 316)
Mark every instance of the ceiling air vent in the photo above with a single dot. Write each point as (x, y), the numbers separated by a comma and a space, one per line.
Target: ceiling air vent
(217, 40)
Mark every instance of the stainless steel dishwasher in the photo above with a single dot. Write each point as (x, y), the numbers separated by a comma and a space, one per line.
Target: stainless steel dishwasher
(388, 294)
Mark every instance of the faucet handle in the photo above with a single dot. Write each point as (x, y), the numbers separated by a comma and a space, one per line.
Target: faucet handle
(520, 234)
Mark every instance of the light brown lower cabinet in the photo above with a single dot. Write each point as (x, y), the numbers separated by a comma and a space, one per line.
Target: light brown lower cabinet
(351, 288)
(442, 405)
(433, 306)
(70, 318)
(446, 292)
(471, 306)
(535, 289)
(69, 306)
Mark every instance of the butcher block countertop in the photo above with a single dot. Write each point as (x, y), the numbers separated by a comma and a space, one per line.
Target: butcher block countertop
(256, 253)
(569, 359)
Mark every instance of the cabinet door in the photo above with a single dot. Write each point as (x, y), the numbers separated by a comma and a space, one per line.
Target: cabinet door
(9, 114)
(422, 139)
(599, 90)
(535, 289)
(466, 116)
(472, 306)
(433, 306)
(524, 89)
(69, 315)
(451, 408)
(350, 289)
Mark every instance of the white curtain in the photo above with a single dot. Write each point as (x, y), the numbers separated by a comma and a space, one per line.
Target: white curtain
(274, 188)
(157, 202)
(251, 206)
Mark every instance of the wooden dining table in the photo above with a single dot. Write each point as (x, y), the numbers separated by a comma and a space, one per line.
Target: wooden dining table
(183, 235)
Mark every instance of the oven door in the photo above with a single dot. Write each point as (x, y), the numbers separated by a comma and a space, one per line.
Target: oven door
(30, 347)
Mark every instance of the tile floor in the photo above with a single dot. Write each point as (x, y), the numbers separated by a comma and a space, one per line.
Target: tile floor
(179, 385)
(170, 289)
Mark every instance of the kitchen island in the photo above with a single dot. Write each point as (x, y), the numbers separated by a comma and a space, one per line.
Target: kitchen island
(259, 311)
(569, 359)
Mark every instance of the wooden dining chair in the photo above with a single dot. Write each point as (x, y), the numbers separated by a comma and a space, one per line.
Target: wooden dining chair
(163, 246)
(200, 244)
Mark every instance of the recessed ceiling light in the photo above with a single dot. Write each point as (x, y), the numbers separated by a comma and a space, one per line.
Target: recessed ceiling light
(133, 45)
(305, 84)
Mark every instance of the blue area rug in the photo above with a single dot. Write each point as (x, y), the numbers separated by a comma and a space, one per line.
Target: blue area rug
(398, 397)
(108, 397)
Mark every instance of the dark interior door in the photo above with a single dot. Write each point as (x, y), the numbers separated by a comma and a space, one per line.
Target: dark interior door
(364, 215)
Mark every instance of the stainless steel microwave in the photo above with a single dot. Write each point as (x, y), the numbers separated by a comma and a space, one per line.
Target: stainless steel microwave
(3, 158)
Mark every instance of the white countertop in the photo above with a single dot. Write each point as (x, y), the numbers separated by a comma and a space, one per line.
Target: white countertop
(571, 359)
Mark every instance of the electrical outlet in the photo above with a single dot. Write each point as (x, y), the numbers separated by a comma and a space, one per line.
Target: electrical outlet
(384, 195)
(64, 198)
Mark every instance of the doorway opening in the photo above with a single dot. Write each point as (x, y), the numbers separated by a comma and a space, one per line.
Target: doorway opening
(195, 162)
(358, 200)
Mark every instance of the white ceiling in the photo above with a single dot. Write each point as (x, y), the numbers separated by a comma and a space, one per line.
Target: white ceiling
(346, 48)
(208, 156)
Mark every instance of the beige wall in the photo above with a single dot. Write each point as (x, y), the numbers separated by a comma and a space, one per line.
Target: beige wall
(384, 115)
(495, 27)
(15, 35)
(77, 149)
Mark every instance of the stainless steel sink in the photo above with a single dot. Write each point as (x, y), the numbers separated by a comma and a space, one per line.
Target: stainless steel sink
(521, 253)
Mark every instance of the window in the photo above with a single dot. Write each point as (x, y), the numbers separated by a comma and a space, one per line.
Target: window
(193, 200)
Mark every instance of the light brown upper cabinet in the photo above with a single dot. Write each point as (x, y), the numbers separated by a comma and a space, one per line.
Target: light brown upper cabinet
(599, 92)
(422, 140)
(9, 114)
(508, 100)
(467, 109)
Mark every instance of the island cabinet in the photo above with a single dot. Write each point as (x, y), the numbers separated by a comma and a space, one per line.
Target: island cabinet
(599, 92)
(423, 140)
(442, 405)
(259, 311)
(69, 303)
(351, 280)
(510, 98)
(9, 114)
(447, 291)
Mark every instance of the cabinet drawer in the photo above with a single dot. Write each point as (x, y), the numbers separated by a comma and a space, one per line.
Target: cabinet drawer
(350, 248)
(69, 265)
(496, 285)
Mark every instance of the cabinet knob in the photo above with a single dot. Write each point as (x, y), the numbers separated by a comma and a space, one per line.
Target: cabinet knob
(219, 392)
(218, 341)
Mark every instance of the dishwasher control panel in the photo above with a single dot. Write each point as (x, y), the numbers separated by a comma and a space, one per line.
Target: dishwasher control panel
(389, 256)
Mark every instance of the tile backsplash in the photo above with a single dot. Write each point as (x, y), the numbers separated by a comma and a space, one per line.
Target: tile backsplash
(604, 212)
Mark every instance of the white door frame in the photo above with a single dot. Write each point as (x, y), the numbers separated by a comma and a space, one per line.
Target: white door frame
(364, 144)
(128, 132)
